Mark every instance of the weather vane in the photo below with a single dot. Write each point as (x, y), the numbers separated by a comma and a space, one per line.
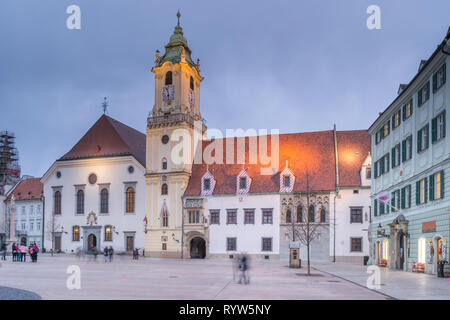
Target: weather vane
(105, 105)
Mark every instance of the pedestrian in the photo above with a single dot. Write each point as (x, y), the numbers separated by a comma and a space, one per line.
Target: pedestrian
(3, 251)
(111, 253)
(106, 254)
(244, 270)
(95, 252)
(14, 251)
(35, 252)
(19, 253)
(23, 250)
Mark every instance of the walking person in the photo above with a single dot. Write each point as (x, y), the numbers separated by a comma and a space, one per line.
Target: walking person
(14, 251)
(244, 270)
(111, 253)
(106, 254)
(35, 252)
(4, 251)
(19, 253)
(23, 250)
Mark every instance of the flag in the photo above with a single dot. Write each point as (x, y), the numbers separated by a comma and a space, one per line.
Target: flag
(384, 197)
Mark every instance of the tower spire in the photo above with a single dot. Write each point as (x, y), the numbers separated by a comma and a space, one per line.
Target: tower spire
(178, 17)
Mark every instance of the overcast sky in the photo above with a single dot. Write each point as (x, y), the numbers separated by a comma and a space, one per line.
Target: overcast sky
(291, 65)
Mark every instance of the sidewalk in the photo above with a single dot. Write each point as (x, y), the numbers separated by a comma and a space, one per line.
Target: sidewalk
(397, 284)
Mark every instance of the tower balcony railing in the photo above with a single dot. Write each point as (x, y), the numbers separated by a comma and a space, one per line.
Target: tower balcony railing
(155, 121)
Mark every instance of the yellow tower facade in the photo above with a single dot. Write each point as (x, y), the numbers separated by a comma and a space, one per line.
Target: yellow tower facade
(173, 131)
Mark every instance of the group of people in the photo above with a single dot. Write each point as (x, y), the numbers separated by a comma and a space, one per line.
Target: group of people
(19, 252)
(108, 253)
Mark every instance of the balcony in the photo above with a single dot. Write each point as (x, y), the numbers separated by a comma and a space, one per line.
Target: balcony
(173, 119)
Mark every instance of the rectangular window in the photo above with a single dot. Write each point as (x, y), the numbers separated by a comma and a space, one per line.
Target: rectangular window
(421, 191)
(215, 217)
(396, 119)
(396, 156)
(38, 226)
(438, 127)
(436, 185)
(231, 244)
(242, 183)
(194, 216)
(356, 244)
(287, 181)
(356, 215)
(231, 216)
(386, 128)
(249, 216)
(266, 244)
(164, 246)
(407, 110)
(207, 184)
(378, 137)
(386, 163)
(422, 139)
(368, 173)
(31, 225)
(267, 216)
(424, 94)
(439, 78)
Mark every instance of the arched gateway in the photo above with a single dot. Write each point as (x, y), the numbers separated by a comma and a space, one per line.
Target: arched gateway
(197, 248)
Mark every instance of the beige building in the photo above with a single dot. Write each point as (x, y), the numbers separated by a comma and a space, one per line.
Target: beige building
(175, 122)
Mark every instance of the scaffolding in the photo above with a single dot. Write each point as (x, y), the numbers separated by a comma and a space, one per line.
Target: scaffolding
(9, 160)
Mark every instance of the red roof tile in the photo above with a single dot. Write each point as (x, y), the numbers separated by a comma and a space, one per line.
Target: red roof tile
(27, 190)
(310, 156)
(107, 138)
(353, 149)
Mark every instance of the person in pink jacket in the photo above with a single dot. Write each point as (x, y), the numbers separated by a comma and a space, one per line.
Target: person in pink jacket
(23, 251)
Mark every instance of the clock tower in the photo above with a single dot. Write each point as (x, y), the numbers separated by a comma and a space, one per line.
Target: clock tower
(176, 110)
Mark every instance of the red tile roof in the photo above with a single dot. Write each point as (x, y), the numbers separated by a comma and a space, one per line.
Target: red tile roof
(353, 148)
(107, 138)
(29, 189)
(310, 156)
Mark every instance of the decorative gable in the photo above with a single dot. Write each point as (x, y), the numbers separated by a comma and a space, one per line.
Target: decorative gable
(208, 184)
(243, 182)
(287, 180)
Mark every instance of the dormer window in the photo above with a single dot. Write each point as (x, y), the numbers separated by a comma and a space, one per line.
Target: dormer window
(207, 184)
(243, 182)
(287, 181)
(168, 78)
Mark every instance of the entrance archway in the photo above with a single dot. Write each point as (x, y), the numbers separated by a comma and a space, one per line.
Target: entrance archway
(23, 241)
(198, 248)
(92, 241)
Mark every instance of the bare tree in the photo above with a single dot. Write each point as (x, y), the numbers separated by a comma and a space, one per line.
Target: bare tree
(309, 230)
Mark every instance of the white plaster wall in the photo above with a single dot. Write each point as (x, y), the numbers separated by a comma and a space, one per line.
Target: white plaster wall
(24, 214)
(249, 236)
(108, 170)
(346, 230)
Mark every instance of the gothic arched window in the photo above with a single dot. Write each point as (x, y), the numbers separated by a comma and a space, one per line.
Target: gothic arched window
(130, 197)
(323, 215)
(168, 77)
(311, 213)
(164, 189)
(80, 202)
(104, 199)
(165, 219)
(288, 216)
(299, 214)
(192, 83)
(57, 203)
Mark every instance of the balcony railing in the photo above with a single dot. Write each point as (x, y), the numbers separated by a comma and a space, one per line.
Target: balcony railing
(175, 118)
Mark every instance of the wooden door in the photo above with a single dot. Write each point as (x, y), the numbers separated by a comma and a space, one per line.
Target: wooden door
(57, 243)
(130, 243)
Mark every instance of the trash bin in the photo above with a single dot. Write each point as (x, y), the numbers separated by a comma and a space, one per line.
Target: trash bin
(366, 259)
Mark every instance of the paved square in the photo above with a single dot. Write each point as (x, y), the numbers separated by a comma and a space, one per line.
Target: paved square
(174, 279)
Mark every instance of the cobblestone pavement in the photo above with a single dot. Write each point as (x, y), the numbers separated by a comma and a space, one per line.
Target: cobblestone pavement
(397, 284)
(175, 279)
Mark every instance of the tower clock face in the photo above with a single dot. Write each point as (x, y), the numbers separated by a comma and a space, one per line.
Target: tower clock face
(191, 97)
(168, 92)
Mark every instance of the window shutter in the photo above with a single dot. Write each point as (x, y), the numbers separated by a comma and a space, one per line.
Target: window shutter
(434, 129)
(419, 140)
(435, 82)
(393, 201)
(442, 184)
(375, 207)
(419, 97)
(445, 71)
(409, 196)
(427, 129)
(393, 158)
(426, 189)
(387, 162)
(444, 125)
(376, 169)
(403, 198)
(431, 187)
(418, 192)
(403, 150)
(404, 112)
(410, 146)
(411, 101)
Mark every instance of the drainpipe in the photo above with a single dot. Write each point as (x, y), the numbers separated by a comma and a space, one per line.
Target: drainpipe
(43, 221)
(182, 226)
(336, 191)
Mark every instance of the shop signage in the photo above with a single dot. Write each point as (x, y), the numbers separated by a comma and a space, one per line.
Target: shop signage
(429, 226)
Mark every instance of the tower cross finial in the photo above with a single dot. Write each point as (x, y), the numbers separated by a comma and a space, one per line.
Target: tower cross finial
(178, 16)
(105, 105)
